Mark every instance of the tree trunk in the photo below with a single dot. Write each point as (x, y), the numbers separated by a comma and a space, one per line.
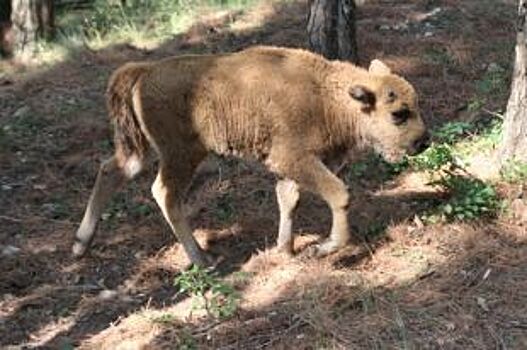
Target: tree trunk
(5, 27)
(5, 10)
(514, 142)
(331, 29)
(32, 20)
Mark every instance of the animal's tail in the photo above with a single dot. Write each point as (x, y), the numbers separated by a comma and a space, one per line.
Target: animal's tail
(130, 141)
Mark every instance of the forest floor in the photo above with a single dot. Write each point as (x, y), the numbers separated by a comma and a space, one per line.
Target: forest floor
(436, 286)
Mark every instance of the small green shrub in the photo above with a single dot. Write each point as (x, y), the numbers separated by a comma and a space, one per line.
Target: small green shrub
(514, 171)
(433, 158)
(451, 132)
(375, 164)
(486, 137)
(223, 301)
(470, 198)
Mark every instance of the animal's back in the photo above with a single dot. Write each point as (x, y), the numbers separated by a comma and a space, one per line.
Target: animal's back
(234, 103)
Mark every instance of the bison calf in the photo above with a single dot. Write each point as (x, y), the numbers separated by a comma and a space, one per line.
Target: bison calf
(286, 107)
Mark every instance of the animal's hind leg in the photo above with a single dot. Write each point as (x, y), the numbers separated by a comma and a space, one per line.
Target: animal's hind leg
(109, 179)
(167, 193)
(287, 196)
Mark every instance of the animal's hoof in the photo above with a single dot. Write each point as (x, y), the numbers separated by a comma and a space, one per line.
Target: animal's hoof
(283, 249)
(78, 249)
(323, 249)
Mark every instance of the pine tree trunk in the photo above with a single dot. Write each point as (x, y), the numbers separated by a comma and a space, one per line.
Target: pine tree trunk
(5, 10)
(31, 20)
(5, 27)
(514, 143)
(347, 36)
(331, 28)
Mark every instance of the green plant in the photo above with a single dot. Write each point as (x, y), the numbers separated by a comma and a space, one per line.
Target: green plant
(375, 164)
(469, 198)
(451, 132)
(485, 138)
(223, 299)
(157, 17)
(433, 158)
(494, 81)
(164, 319)
(514, 171)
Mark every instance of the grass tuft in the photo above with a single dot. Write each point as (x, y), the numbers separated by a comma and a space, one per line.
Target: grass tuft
(222, 299)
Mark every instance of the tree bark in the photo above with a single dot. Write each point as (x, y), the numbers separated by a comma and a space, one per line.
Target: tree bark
(32, 20)
(5, 27)
(331, 29)
(5, 10)
(514, 142)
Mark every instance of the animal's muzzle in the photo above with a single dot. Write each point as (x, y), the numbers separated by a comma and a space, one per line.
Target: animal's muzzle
(420, 144)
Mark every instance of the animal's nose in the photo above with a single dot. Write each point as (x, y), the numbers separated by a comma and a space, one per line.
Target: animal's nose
(422, 143)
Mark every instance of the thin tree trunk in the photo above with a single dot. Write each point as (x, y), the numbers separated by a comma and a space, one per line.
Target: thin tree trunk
(514, 143)
(5, 10)
(321, 27)
(5, 27)
(31, 20)
(346, 29)
(331, 28)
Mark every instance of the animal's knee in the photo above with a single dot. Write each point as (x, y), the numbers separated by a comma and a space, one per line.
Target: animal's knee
(339, 197)
(287, 193)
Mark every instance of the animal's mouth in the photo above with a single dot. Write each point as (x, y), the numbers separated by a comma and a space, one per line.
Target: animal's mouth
(420, 145)
(390, 155)
(393, 157)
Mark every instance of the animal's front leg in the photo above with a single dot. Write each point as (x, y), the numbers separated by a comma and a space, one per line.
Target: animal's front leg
(287, 195)
(312, 175)
(336, 195)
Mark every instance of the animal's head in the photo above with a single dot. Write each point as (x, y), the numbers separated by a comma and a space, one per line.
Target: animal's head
(391, 121)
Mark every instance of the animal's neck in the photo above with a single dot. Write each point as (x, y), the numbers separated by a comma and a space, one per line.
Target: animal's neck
(341, 113)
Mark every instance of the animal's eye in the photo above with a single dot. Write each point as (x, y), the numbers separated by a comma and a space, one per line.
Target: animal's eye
(392, 96)
(401, 116)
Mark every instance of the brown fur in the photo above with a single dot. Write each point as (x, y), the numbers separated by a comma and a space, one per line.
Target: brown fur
(129, 139)
(287, 107)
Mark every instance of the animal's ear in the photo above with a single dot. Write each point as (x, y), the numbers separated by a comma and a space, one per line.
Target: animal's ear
(378, 67)
(363, 95)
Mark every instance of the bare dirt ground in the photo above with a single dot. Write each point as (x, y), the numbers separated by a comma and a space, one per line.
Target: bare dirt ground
(442, 286)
